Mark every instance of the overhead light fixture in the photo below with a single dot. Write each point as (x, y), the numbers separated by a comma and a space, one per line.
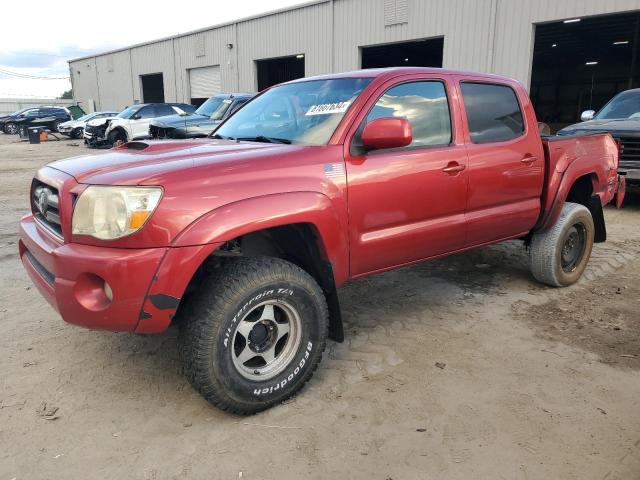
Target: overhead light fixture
(591, 63)
(622, 42)
(300, 56)
(572, 20)
(406, 59)
(554, 45)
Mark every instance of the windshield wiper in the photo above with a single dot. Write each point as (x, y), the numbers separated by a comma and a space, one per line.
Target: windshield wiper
(263, 139)
(221, 137)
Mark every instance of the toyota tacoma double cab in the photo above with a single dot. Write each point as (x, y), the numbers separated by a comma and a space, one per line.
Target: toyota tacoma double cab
(242, 238)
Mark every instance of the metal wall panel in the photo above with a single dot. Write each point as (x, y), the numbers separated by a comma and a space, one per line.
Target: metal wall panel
(216, 52)
(114, 81)
(484, 35)
(154, 58)
(463, 23)
(300, 31)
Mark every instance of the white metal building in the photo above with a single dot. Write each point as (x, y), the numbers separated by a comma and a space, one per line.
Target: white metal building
(546, 44)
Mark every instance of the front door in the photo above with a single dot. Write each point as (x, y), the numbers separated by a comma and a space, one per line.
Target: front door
(408, 204)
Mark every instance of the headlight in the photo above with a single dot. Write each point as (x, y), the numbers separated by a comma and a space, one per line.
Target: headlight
(108, 213)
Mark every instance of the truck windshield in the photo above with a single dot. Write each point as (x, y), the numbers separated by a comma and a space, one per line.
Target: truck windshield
(214, 108)
(303, 112)
(623, 105)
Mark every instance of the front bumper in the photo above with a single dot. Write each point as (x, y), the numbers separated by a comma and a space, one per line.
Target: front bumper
(72, 278)
(146, 284)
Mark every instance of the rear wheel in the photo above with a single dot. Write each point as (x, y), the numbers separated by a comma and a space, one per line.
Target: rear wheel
(559, 256)
(253, 334)
(55, 125)
(11, 128)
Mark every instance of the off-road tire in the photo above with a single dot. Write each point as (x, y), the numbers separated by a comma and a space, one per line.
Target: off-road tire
(546, 249)
(208, 323)
(10, 128)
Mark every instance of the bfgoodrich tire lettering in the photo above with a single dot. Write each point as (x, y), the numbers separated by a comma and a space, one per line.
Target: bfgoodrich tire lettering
(559, 256)
(209, 341)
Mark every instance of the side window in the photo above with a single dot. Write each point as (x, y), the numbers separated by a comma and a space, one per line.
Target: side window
(162, 110)
(146, 112)
(32, 113)
(493, 112)
(236, 106)
(426, 107)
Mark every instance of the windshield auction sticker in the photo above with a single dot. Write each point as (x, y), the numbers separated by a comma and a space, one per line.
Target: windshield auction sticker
(328, 108)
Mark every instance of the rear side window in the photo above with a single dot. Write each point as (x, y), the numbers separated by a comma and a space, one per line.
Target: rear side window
(426, 107)
(493, 112)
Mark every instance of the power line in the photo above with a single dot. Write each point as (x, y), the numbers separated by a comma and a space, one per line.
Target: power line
(30, 77)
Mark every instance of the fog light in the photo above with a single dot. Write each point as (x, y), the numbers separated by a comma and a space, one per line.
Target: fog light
(107, 291)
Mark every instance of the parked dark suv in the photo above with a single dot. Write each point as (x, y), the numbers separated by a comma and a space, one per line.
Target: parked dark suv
(46, 116)
(201, 122)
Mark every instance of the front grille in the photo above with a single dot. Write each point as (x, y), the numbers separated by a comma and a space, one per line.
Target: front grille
(45, 205)
(630, 152)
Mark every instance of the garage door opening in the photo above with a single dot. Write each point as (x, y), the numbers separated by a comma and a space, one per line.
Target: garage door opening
(420, 53)
(277, 70)
(152, 88)
(580, 64)
(204, 82)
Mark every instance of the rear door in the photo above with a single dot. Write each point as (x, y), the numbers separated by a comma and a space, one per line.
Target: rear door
(506, 161)
(407, 204)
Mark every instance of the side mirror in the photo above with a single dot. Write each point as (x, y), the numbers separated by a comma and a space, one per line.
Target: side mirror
(587, 115)
(136, 117)
(387, 133)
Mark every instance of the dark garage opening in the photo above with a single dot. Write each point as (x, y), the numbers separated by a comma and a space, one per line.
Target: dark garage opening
(420, 53)
(152, 88)
(277, 70)
(581, 65)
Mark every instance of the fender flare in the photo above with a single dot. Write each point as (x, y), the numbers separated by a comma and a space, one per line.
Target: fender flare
(200, 239)
(258, 213)
(571, 174)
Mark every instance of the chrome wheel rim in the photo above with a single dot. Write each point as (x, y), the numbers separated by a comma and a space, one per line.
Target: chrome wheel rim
(573, 247)
(266, 340)
(11, 128)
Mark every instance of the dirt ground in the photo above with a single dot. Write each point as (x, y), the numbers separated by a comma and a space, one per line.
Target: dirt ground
(464, 368)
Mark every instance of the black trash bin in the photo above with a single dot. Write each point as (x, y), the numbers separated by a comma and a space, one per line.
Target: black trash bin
(34, 134)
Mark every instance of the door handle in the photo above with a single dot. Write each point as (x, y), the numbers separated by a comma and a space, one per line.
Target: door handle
(454, 167)
(529, 159)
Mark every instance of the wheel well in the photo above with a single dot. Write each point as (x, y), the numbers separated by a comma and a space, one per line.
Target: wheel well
(582, 192)
(299, 244)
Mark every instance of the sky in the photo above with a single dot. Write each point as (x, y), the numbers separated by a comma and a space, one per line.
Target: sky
(37, 41)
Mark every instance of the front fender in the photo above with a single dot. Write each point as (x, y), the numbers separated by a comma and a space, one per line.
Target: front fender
(240, 218)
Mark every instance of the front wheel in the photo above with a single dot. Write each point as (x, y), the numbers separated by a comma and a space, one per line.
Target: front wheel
(559, 256)
(77, 133)
(253, 334)
(11, 128)
(117, 137)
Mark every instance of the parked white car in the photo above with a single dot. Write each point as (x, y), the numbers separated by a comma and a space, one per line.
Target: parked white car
(75, 128)
(130, 124)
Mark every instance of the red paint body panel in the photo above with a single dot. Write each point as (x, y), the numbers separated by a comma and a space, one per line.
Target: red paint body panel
(376, 210)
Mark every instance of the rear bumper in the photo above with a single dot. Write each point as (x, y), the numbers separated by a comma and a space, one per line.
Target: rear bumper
(72, 278)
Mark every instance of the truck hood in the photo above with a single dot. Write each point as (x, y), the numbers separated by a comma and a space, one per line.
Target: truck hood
(619, 126)
(150, 162)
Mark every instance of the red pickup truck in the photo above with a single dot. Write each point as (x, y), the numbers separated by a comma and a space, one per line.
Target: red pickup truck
(243, 237)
